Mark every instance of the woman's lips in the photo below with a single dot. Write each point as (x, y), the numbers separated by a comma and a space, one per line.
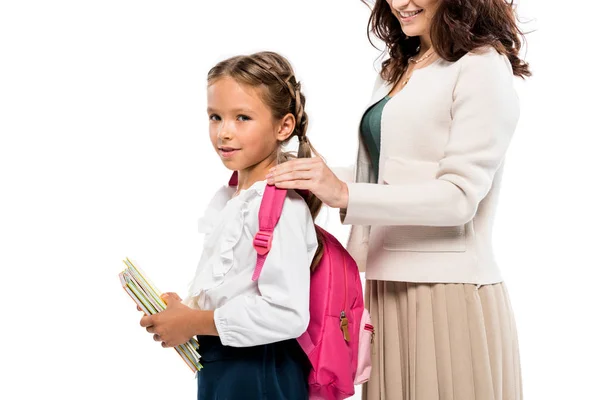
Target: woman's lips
(407, 16)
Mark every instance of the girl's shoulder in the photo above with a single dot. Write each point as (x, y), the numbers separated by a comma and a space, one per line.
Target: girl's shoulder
(248, 202)
(294, 206)
(295, 220)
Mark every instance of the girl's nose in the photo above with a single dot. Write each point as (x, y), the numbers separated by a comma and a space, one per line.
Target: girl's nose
(225, 131)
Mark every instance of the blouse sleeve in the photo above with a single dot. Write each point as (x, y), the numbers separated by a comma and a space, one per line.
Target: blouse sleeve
(281, 311)
(484, 116)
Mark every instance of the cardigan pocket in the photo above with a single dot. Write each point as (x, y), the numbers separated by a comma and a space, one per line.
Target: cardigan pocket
(429, 239)
(402, 171)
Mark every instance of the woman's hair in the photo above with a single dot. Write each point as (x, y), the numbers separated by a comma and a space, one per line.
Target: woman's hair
(458, 27)
(274, 76)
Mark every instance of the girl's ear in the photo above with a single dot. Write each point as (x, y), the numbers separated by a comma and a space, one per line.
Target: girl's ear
(286, 127)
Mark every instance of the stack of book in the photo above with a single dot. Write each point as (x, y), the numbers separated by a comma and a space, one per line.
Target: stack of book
(147, 297)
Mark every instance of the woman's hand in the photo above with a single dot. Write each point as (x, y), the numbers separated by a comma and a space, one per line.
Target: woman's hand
(174, 325)
(311, 174)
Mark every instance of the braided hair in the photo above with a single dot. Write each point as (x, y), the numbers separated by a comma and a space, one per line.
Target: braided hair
(282, 93)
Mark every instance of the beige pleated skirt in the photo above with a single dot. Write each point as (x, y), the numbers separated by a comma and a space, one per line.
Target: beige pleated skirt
(442, 341)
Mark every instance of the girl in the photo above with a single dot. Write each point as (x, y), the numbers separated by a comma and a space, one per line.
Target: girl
(247, 329)
(426, 184)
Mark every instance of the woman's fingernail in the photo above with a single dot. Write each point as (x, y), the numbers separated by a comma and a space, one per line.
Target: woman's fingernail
(269, 175)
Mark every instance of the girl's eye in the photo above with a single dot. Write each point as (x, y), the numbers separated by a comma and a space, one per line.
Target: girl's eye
(243, 118)
(214, 117)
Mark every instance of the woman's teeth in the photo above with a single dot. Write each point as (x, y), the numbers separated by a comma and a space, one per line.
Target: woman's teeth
(408, 14)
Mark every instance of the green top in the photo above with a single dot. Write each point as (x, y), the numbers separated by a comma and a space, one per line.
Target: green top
(370, 129)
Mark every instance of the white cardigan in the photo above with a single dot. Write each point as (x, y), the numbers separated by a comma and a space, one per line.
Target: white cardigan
(443, 141)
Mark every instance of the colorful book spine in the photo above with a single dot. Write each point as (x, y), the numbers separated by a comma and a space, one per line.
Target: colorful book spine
(143, 292)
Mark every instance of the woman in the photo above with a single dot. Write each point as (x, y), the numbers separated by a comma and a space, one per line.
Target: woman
(432, 144)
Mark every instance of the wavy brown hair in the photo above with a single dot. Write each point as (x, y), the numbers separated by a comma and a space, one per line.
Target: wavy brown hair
(281, 92)
(457, 28)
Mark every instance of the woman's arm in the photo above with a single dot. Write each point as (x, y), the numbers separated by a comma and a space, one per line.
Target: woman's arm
(484, 116)
(345, 174)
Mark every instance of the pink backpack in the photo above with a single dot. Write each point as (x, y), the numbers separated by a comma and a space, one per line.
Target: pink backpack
(339, 335)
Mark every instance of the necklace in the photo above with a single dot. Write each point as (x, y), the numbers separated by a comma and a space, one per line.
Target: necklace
(424, 57)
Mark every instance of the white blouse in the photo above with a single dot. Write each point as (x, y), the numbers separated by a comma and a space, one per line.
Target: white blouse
(273, 308)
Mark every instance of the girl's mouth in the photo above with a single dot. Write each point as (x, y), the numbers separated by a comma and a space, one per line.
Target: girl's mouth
(227, 152)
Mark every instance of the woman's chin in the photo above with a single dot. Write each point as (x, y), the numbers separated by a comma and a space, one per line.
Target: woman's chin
(410, 31)
(413, 29)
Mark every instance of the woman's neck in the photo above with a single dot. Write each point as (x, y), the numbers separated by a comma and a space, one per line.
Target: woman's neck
(425, 44)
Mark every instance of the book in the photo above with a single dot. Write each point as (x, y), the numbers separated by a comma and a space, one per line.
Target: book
(143, 292)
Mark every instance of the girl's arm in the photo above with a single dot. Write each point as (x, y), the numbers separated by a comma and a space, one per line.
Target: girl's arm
(281, 311)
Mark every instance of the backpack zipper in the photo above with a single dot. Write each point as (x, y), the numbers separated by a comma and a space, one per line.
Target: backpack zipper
(343, 318)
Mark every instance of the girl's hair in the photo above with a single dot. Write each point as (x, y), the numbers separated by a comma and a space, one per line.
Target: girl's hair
(281, 92)
(458, 27)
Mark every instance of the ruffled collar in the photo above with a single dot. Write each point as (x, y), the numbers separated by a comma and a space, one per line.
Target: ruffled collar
(223, 226)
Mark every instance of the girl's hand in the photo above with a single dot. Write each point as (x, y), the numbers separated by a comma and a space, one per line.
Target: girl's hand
(174, 325)
(175, 295)
(311, 174)
(170, 295)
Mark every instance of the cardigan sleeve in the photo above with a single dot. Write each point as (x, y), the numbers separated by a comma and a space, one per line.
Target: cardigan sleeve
(485, 111)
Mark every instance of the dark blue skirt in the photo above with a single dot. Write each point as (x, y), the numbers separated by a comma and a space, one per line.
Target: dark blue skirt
(269, 372)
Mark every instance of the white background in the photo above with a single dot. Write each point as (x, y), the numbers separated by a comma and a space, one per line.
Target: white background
(104, 154)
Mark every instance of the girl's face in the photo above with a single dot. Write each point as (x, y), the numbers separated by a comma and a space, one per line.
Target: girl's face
(414, 15)
(242, 128)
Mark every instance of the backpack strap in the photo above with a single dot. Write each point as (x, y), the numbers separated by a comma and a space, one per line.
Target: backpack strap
(271, 207)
